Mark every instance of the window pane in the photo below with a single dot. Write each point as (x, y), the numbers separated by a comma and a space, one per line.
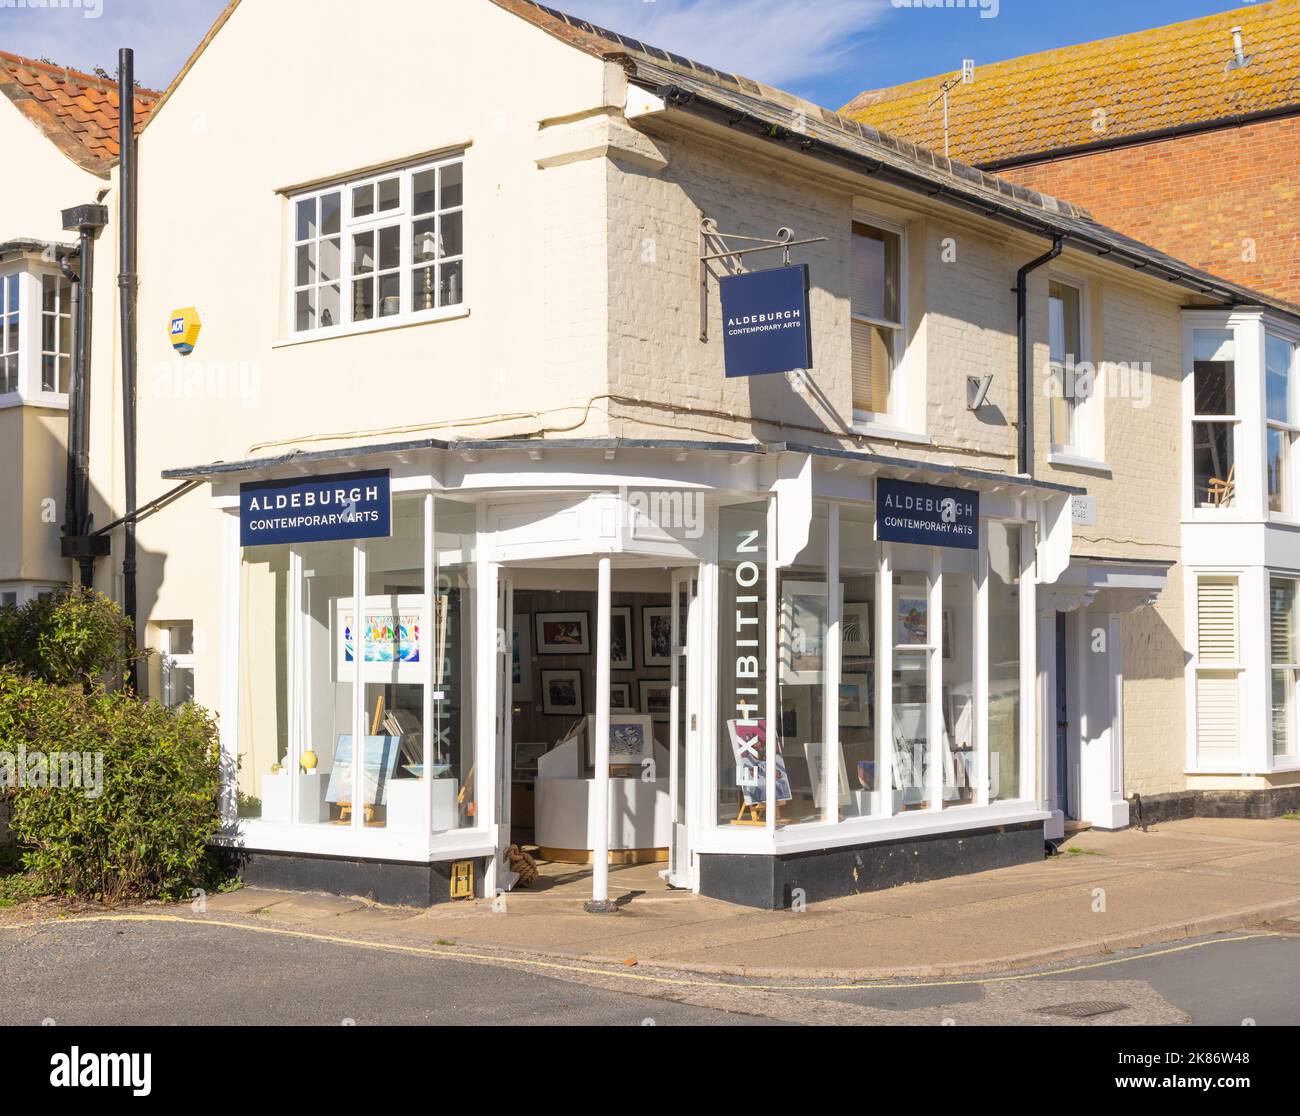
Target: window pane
(801, 685)
(957, 641)
(452, 241)
(424, 288)
(392, 632)
(327, 641)
(1281, 592)
(1279, 445)
(425, 191)
(1004, 661)
(65, 370)
(50, 294)
(305, 310)
(49, 373)
(911, 627)
(1279, 362)
(363, 300)
(306, 219)
(452, 186)
(452, 731)
(179, 685)
(12, 297)
(8, 374)
(453, 292)
(425, 246)
(1213, 364)
(363, 201)
(857, 683)
(330, 302)
(65, 334)
(1282, 689)
(1212, 464)
(11, 334)
(873, 361)
(363, 253)
(390, 248)
(390, 295)
(331, 260)
(1065, 323)
(875, 274)
(742, 676)
(49, 333)
(305, 272)
(181, 639)
(390, 194)
(331, 213)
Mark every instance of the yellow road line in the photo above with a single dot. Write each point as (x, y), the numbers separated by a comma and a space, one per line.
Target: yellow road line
(629, 974)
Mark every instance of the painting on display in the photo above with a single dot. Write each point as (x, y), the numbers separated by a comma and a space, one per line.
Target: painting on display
(749, 746)
(656, 698)
(620, 697)
(814, 750)
(392, 637)
(563, 633)
(631, 739)
(657, 633)
(620, 639)
(856, 700)
(378, 763)
(562, 692)
(855, 629)
(521, 658)
(912, 622)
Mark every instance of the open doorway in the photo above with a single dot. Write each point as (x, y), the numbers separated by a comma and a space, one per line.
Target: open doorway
(549, 716)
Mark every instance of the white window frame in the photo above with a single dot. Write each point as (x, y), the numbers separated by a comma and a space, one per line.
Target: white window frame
(350, 226)
(31, 276)
(170, 660)
(1082, 446)
(1240, 339)
(898, 421)
(1290, 510)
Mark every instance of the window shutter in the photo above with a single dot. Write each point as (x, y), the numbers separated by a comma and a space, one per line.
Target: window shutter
(1216, 620)
(1216, 716)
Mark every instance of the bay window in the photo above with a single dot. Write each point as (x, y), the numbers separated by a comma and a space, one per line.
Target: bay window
(10, 331)
(876, 305)
(56, 333)
(1283, 422)
(386, 246)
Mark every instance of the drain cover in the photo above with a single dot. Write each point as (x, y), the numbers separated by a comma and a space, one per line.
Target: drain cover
(1084, 1009)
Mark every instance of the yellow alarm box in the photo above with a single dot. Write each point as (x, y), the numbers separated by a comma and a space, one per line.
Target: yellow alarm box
(184, 330)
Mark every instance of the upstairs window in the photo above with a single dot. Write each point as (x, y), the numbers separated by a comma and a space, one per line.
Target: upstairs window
(1072, 388)
(1214, 418)
(1283, 421)
(56, 333)
(877, 317)
(385, 246)
(9, 333)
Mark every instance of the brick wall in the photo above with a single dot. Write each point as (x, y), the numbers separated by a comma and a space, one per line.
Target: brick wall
(1201, 198)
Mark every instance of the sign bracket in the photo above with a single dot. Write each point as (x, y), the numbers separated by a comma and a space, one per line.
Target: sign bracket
(711, 238)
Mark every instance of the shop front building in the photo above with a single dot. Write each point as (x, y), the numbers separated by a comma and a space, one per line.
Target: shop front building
(476, 625)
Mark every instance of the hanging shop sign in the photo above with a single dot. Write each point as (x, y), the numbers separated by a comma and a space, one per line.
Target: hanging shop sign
(316, 509)
(927, 514)
(766, 327)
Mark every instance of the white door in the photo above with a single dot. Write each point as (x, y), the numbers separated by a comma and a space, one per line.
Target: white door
(684, 723)
(506, 879)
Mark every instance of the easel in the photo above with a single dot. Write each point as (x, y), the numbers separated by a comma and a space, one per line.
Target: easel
(757, 813)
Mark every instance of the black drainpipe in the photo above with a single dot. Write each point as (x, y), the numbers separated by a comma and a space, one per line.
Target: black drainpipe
(126, 282)
(1024, 407)
(86, 221)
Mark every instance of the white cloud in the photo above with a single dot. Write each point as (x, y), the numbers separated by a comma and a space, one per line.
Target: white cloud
(782, 42)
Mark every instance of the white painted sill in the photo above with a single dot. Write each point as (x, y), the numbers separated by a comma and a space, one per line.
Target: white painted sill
(1066, 460)
(48, 402)
(869, 429)
(379, 325)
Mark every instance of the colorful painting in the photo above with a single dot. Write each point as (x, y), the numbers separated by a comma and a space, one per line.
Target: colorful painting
(749, 746)
(631, 739)
(913, 621)
(393, 638)
(379, 762)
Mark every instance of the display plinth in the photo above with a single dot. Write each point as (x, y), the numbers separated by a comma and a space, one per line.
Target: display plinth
(639, 824)
(277, 797)
(406, 805)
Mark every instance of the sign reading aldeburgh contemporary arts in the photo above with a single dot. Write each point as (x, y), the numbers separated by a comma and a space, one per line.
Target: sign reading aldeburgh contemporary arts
(927, 514)
(316, 509)
(765, 322)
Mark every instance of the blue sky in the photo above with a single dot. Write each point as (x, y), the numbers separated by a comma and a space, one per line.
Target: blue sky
(826, 50)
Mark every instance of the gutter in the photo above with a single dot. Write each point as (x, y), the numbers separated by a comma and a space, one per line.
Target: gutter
(126, 282)
(1025, 360)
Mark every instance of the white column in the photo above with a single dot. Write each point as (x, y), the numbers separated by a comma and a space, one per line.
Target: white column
(831, 652)
(600, 786)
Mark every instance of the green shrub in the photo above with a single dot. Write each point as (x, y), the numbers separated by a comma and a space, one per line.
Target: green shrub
(144, 834)
(78, 637)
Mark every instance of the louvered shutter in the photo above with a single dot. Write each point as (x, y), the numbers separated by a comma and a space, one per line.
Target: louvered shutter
(1217, 691)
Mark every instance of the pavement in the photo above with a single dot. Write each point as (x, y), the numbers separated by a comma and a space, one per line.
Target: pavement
(1106, 892)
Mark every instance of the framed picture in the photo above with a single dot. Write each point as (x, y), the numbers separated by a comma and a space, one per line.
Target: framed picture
(855, 629)
(856, 700)
(912, 622)
(620, 639)
(796, 713)
(631, 739)
(378, 765)
(656, 698)
(521, 658)
(620, 697)
(657, 633)
(563, 633)
(814, 750)
(392, 636)
(803, 624)
(562, 692)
